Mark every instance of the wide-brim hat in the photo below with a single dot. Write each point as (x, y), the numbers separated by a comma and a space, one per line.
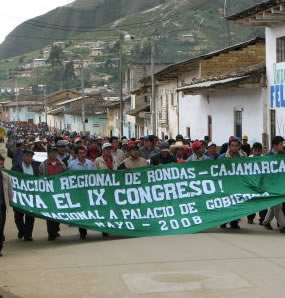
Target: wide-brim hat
(179, 145)
(37, 140)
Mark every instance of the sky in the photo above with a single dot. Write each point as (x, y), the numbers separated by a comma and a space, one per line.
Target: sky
(14, 12)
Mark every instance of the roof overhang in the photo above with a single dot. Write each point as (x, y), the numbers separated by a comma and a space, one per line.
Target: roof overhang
(70, 101)
(265, 14)
(249, 81)
(56, 111)
(173, 71)
(136, 111)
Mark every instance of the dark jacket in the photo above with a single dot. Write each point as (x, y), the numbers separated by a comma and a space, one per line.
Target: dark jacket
(19, 168)
(43, 168)
(224, 148)
(157, 159)
(246, 148)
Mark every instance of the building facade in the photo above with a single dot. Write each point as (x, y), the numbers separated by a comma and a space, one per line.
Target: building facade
(270, 14)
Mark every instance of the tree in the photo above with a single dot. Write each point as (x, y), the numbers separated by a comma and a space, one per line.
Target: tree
(69, 74)
(22, 59)
(56, 56)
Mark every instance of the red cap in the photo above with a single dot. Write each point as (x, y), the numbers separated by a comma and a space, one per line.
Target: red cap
(196, 145)
(131, 144)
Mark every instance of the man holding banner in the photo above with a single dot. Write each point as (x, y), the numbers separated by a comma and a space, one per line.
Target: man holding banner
(276, 211)
(52, 166)
(234, 151)
(25, 222)
(81, 163)
(6, 196)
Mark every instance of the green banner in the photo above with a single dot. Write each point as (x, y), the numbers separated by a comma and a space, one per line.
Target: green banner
(171, 199)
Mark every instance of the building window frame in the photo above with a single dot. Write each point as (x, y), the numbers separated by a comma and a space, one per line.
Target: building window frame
(280, 49)
(272, 123)
(238, 122)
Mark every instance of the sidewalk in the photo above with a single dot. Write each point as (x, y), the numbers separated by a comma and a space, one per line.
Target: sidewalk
(219, 263)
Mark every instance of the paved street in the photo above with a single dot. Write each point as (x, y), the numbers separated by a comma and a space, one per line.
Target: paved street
(245, 263)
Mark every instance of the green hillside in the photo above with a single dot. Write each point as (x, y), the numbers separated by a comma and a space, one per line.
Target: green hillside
(181, 29)
(83, 13)
(70, 21)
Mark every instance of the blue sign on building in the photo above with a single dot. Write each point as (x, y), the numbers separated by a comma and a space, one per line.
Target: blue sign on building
(277, 96)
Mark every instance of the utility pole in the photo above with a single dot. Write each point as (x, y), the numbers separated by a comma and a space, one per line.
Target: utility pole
(45, 103)
(121, 88)
(17, 103)
(83, 103)
(226, 13)
(153, 103)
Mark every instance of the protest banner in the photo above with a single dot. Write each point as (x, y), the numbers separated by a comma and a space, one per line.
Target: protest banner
(170, 199)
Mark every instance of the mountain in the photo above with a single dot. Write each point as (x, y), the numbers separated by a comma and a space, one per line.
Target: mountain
(71, 21)
(33, 34)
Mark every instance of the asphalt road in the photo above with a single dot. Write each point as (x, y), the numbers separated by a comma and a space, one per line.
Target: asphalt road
(218, 263)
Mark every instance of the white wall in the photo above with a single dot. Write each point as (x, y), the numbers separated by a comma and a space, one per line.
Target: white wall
(194, 111)
(272, 34)
(56, 121)
(190, 115)
(164, 91)
(24, 114)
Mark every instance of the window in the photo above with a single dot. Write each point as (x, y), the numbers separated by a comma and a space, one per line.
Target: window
(68, 126)
(145, 99)
(273, 123)
(280, 50)
(238, 123)
(210, 127)
(14, 109)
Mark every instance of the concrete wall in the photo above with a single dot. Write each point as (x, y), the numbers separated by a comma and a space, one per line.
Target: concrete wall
(221, 106)
(276, 100)
(24, 114)
(113, 124)
(167, 109)
(56, 122)
(97, 124)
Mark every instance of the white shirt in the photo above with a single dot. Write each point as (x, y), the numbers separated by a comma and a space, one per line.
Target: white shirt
(28, 169)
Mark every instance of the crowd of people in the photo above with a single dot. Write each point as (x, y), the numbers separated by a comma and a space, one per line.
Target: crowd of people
(72, 151)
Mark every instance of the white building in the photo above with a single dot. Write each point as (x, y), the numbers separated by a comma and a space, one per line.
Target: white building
(218, 94)
(40, 62)
(271, 15)
(23, 110)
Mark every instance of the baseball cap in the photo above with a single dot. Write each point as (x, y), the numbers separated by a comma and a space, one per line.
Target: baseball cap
(245, 137)
(236, 139)
(196, 145)
(164, 146)
(149, 138)
(52, 149)
(132, 145)
(125, 142)
(211, 144)
(106, 145)
(61, 143)
(28, 151)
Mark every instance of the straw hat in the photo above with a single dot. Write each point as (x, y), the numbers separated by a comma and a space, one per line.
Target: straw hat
(179, 145)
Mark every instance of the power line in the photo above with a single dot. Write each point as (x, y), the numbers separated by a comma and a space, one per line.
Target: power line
(182, 12)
